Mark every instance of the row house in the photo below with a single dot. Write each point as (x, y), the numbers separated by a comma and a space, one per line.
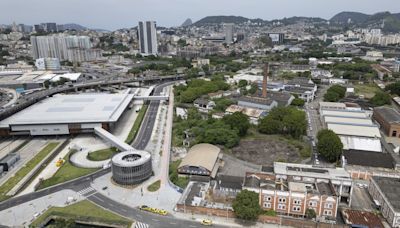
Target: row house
(293, 198)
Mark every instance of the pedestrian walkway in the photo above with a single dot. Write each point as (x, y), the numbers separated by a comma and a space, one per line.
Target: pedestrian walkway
(87, 191)
(141, 225)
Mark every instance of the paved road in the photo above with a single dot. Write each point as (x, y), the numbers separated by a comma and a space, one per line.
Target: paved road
(145, 217)
(145, 131)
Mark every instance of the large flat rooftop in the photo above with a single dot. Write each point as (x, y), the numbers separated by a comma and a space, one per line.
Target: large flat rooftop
(390, 187)
(77, 108)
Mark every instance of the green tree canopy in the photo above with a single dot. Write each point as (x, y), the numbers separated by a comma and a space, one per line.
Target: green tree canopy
(335, 93)
(238, 121)
(298, 102)
(284, 120)
(329, 145)
(246, 205)
(381, 98)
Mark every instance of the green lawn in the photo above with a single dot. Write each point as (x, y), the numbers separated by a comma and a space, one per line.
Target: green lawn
(10, 183)
(101, 155)
(83, 210)
(154, 186)
(65, 173)
(367, 90)
(174, 177)
(136, 126)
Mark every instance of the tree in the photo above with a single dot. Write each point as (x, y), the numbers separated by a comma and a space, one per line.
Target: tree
(310, 213)
(381, 98)
(269, 126)
(246, 205)
(298, 102)
(238, 121)
(242, 83)
(394, 88)
(329, 145)
(331, 96)
(335, 93)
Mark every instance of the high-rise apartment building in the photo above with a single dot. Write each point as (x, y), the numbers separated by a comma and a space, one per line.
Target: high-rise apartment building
(51, 27)
(71, 48)
(228, 33)
(147, 34)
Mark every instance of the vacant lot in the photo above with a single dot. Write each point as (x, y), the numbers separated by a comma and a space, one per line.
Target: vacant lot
(265, 149)
(367, 90)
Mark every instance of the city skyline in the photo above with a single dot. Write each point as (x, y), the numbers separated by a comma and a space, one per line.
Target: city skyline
(125, 13)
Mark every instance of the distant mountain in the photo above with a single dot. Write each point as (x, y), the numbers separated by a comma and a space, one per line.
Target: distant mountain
(387, 21)
(293, 20)
(344, 17)
(221, 19)
(73, 26)
(187, 22)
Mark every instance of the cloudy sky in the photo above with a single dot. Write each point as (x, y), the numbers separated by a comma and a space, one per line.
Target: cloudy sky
(114, 14)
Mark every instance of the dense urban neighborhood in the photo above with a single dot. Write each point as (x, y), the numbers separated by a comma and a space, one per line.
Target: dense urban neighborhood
(227, 122)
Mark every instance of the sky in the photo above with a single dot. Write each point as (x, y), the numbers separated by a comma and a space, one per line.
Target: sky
(115, 14)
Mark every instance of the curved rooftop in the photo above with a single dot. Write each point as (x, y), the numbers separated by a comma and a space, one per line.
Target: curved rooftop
(131, 158)
(201, 155)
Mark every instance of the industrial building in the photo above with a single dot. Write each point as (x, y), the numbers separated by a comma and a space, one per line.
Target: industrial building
(389, 120)
(385, 192)
(67, 114)
(202, 159)
(353, 126)
(131, 167)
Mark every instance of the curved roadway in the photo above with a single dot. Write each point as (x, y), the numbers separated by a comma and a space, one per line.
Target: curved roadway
(78, 184)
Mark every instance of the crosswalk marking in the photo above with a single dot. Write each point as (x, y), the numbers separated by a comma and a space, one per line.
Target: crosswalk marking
(141, 225)
(87, 191)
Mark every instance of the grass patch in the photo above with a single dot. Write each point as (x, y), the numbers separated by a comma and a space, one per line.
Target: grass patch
(101, 155)
(367, 90)
(84, 210)
(136, 126)
(10, 183)
(181, 182)
(154, 186)
(65, 173)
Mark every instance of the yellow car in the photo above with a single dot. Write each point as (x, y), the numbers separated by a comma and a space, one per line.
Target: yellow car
(162, 212)
(206, 222)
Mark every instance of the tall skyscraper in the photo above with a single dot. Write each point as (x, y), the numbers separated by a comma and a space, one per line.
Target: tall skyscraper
(229, 33)
(147, 34)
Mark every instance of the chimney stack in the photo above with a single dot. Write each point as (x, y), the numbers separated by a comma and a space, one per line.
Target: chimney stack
(265, 80)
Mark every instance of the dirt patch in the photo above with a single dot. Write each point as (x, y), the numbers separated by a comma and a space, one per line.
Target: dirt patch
(266, 151)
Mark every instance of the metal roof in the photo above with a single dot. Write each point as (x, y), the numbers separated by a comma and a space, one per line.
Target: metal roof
(77, 108)
(201, 155)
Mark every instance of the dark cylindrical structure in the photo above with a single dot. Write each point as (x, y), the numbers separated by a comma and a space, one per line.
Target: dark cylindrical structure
(131, 167)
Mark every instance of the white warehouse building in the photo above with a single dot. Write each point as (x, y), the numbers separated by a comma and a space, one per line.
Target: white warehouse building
(353, 126)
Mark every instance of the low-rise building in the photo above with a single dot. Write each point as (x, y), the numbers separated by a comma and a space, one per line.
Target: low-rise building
(199, 62)
(257, 102)
(385, 192)
(202, 159)
(304, 88)
(389, 120)
(204, 105)
(294, 195)
(254, 114)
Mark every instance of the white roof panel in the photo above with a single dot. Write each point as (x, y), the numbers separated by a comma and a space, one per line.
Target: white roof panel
(352, 130)
(77, 108)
